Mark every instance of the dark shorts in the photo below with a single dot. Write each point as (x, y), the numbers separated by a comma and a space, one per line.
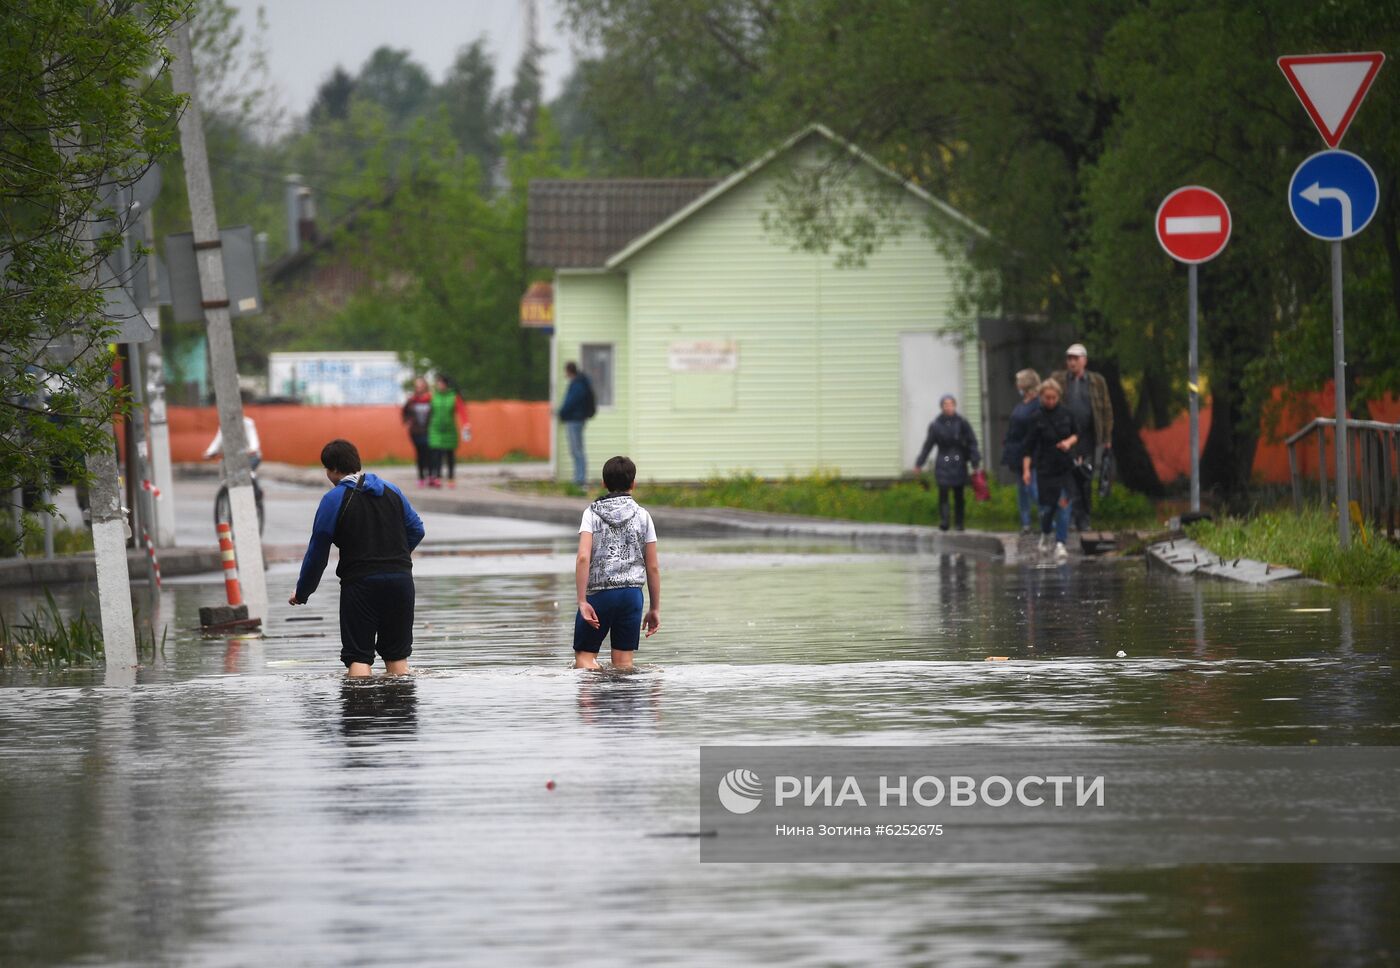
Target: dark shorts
(619, 612)
(376, 615)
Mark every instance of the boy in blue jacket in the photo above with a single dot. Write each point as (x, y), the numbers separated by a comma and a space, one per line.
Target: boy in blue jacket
(375, 528)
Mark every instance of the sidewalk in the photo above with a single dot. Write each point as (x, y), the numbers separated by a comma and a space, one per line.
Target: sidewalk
(478, 492)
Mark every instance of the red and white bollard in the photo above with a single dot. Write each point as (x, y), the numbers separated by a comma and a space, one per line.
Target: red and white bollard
(151, 552)
(231, 587)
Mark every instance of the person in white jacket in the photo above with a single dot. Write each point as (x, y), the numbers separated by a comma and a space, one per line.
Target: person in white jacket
(250, 431)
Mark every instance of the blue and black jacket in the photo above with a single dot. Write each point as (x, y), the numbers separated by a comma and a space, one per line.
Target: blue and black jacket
(372, 524)
(575, 405)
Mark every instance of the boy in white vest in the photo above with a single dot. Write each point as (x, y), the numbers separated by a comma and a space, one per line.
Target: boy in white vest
(616, 556)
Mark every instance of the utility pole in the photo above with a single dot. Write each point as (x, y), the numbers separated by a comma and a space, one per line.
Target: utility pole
(223, 365)
(108, 522)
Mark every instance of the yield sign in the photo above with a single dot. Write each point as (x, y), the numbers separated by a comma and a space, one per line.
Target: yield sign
(1331, 87)
(1193, 224)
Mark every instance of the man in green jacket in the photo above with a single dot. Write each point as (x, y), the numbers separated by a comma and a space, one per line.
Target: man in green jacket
(1086, 396)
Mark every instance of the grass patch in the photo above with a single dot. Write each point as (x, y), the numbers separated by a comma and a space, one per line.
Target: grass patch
(1307, 542)
(66, 540)
(45, 639)
(891, 502)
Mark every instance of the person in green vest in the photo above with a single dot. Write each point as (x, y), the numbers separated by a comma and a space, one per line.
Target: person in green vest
(447, 424)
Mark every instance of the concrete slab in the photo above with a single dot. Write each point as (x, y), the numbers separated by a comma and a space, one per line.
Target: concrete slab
(1182, 556)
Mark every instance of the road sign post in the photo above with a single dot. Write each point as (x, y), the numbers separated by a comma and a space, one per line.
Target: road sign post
(1333, 196)
(1193, 226)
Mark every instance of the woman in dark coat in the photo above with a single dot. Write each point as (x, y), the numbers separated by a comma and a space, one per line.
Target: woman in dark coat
(957, 447)
(1050, 453)
(1013, 445)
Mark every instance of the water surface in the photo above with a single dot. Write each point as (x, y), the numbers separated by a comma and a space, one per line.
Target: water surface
(243, 804)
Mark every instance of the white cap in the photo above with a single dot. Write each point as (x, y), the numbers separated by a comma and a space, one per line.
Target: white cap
(1077, 349)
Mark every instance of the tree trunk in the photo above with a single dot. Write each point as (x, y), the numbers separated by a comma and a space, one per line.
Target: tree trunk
(1227, 460)
(1134, 464)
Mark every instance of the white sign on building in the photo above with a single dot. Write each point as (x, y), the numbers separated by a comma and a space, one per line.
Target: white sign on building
(704, 356)
(338, 378)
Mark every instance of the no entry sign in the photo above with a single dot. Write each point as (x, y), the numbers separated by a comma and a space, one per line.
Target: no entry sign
(1193, 224)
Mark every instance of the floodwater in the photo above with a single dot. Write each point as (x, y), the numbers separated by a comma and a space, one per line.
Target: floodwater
(242, 804)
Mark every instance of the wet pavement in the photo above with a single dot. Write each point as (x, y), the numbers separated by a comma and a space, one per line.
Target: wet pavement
(242, 803)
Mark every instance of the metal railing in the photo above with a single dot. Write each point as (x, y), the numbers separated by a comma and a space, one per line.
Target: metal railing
(1374, 472)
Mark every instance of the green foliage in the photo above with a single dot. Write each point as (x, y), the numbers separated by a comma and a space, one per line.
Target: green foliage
(82, 116)
(45, 639)
(1307, 542)
(826, 495)
(66, 540)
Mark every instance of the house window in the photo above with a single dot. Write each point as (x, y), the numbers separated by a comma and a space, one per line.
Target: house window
(596, 359)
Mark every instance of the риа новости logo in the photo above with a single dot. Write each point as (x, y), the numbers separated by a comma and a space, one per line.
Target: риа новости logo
(740, 791)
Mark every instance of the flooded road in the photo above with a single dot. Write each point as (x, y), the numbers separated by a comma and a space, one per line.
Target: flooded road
(243, 804)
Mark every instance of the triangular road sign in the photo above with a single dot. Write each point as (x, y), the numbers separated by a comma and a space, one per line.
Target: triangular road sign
(1331, 87)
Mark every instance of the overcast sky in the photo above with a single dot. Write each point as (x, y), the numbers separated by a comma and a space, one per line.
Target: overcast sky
(306, 39)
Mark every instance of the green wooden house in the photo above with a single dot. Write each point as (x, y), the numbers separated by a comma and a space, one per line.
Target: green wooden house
(717, 346)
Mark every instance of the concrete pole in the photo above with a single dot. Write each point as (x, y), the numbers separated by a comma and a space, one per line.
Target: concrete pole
(247, 541)
(1339, 380)
(1193, 380)
(109, 543)
(108, 533)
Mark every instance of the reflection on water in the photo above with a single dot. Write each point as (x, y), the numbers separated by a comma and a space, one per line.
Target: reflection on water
(242, 802)
(378, 707)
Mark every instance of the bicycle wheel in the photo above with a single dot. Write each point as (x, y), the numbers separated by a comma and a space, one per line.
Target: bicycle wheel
(223, 510)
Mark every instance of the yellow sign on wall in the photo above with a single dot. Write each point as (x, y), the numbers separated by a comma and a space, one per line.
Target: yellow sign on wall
(537, 305)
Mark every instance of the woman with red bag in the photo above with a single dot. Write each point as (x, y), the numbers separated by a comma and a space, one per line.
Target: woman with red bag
(957, 448)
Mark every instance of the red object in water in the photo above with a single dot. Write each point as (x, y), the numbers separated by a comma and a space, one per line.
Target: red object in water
(549, 785)
(979, 485)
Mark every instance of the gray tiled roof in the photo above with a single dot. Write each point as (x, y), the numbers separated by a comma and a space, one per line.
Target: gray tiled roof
(579, 224)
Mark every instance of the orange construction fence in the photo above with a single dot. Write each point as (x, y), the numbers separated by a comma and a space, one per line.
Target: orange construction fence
(295, 434)
(1170, 447)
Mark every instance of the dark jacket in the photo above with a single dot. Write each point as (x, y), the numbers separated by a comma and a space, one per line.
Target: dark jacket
(1051, 427)
(1099, 402)
(957, 445)
(1018, 430)
(575, 405)
(416, 413)
(375, 533)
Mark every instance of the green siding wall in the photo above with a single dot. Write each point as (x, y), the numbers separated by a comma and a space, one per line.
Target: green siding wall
(592, 308)
(818, 381)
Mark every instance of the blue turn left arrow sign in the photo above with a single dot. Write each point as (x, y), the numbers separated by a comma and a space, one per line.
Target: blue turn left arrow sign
(1333, 195)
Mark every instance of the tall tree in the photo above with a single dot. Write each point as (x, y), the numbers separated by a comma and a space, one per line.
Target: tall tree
(396, 82)
(1203, 102)
(333, 97)
(82, 115)
(467, 95)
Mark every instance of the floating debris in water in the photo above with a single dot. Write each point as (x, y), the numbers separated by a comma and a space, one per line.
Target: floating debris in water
(996, 658)
(1122, 654)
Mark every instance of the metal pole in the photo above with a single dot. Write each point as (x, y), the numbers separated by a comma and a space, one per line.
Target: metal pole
(1193, 380)
(139, 471)
(46, 498)
(223, 364)
(1339, 379)
(158, 438)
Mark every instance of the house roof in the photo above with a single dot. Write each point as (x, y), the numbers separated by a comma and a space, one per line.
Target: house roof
(748, 171)
(579, 224)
